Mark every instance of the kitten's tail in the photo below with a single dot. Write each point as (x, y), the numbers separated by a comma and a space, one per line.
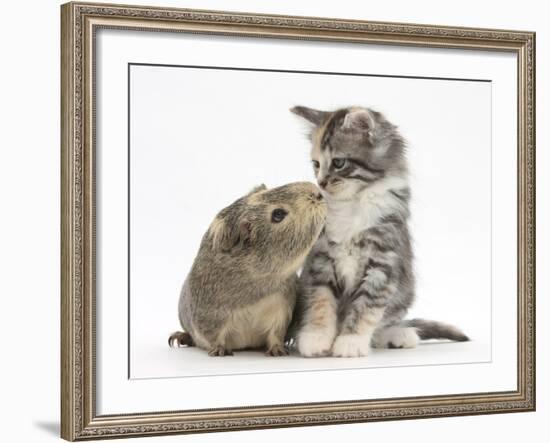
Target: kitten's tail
(427, 329)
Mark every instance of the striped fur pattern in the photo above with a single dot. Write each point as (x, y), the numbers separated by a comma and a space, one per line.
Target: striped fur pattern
(358, 282)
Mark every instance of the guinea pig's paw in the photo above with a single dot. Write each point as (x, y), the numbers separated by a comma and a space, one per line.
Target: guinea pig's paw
(314, 344)
(180, 339)
(350, 345)
(277, 350)
(219, 351)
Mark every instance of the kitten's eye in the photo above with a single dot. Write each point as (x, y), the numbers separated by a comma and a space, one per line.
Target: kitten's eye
(278, 215)
(315, 164)
(338, 163)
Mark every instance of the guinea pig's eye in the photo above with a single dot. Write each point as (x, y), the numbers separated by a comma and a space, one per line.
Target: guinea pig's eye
(315, 164)
(338, 163)
(278, 215)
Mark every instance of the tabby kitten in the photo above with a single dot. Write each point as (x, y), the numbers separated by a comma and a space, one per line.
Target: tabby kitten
(358, 280)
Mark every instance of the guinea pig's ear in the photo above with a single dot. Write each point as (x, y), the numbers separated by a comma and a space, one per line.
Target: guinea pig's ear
(218, 233)
(227, 237)
(258, 188)
(311, 115)
(246, 233)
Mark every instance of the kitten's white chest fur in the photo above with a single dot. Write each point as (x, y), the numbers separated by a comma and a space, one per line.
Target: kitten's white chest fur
(346, 262)
(347, 219)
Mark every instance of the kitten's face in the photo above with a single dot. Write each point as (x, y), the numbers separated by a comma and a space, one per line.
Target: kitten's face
(352, 148)
(335, 173)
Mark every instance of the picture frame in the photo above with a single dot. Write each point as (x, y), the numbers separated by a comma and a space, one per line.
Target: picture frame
(80, 23)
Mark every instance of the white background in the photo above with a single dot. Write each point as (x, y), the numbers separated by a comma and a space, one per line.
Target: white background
(117, 394)
(201, 138)
(29, 182)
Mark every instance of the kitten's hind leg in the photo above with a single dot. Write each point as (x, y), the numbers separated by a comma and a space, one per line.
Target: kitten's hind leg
(408, 333)
(395, 337)
(180, 339)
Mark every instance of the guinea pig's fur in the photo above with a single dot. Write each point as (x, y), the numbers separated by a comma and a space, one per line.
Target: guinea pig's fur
(241, 290)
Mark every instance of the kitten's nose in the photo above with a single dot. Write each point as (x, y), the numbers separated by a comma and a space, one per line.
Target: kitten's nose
(323, 183)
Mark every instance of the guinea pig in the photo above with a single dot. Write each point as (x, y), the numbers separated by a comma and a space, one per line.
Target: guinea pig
(242, 287)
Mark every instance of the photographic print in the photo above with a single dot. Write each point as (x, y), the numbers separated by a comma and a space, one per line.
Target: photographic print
(281, 221)
(393, 197)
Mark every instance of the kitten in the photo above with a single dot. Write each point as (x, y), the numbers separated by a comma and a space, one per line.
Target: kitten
(358, 281)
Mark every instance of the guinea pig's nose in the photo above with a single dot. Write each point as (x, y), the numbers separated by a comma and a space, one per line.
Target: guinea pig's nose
(317, 196)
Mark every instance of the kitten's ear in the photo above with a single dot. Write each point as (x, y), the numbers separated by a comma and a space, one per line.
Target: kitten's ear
(358, 119)
(311, 115)
(230, 236)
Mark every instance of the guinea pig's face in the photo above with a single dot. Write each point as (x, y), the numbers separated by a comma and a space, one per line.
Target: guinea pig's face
(278, 225)
(287, 219)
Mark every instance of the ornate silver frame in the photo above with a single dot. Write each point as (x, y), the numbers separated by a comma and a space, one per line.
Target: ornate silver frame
(79, 21)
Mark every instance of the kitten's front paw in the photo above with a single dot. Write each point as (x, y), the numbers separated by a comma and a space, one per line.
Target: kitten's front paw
(314, 344)
(350, 345)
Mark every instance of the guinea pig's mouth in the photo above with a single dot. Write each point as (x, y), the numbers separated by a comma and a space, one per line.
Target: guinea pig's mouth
(319, 208)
